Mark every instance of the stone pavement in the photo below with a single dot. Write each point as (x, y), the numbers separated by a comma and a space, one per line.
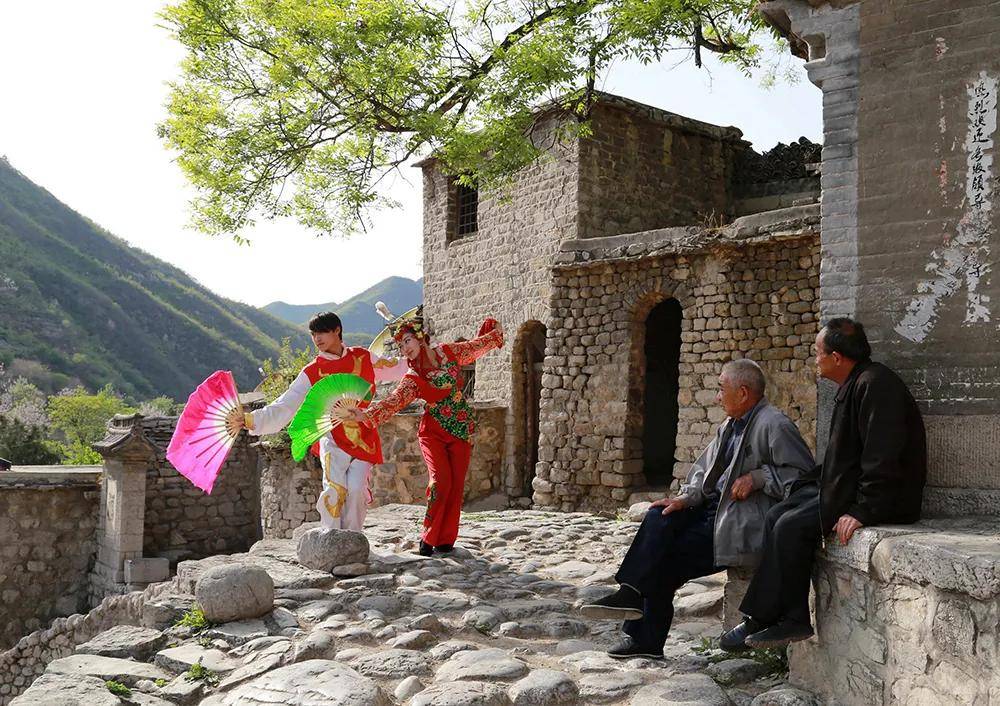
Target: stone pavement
(496, 622)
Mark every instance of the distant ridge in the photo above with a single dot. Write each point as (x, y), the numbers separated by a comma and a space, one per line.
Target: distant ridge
(80, 306)
(361, 323)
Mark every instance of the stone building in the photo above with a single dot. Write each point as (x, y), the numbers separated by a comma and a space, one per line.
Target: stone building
(628, 231)
(908, 239)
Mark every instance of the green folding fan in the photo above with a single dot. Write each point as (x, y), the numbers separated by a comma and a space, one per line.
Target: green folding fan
(313, 419)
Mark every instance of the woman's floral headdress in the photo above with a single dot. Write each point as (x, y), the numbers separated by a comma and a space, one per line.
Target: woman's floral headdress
(399, 326)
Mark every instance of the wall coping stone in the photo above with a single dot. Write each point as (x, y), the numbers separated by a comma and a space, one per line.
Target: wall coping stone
(769, 226)
(961, 555)
(51, 476)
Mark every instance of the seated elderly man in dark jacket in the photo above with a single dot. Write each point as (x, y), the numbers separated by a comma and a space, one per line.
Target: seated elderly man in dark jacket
(717, 519)
(873, 473)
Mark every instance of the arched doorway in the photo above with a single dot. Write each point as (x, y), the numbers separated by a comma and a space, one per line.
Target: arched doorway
(662, 353)
(528, 356)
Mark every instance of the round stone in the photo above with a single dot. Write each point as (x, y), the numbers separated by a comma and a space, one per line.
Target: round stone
(491, 664)
(323, 549)
(544, 687)
(234, 592)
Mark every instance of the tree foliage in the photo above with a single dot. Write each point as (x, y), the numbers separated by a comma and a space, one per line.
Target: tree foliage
(25, 444)
(301, 108)
(81, 419)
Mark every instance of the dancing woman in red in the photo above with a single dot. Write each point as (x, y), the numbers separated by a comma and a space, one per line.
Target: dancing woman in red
(445, 433)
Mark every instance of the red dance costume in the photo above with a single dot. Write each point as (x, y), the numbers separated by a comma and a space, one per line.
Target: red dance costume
(445, 429)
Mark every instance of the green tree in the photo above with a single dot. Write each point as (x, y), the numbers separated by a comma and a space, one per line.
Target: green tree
(301, 107)
(81, 418)
(25, 444)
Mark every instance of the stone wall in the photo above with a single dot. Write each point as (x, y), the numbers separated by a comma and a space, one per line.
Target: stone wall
(47, 520)
(748, 290)
(25, 661)
(181, 521)
(289, 490)
(909, 228)
(503, 269)
(644, 168)
(907, 615)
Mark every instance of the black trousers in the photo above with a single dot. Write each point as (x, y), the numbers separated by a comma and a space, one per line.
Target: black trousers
(667, 552)
(780, 586)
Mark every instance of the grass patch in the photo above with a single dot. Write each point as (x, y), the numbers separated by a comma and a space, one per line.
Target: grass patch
(161, 682)
(194, 619)
(117, 688)
(199, 672)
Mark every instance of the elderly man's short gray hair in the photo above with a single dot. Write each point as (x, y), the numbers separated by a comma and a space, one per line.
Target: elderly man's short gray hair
(743, 372)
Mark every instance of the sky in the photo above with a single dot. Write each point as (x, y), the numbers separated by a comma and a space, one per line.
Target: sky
(83, 87)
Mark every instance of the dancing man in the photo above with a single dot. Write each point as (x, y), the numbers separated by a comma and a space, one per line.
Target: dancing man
(348, 453)
(446, 429)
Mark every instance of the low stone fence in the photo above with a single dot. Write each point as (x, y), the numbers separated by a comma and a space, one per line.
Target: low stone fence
(907, 614)
(48, 515)
(289, 490)
(182, 521)
(26, 660)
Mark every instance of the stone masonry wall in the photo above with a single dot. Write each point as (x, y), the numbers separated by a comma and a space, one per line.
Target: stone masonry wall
(289, 490)
(645, 168)
(927, 127)
(181, 521)
(47, 523)
(503, 270)
(748, 291)
(26, 660)
(906, 615)
(909, 225)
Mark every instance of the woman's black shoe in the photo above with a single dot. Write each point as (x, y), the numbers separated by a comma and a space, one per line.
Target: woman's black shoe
(425, 549)
(444, 548)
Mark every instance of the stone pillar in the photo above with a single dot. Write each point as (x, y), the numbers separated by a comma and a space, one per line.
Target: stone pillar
(827, 36)
(127, 456)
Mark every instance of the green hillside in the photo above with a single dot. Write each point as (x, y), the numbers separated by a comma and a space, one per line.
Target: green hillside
(78, 305)
(361, 323)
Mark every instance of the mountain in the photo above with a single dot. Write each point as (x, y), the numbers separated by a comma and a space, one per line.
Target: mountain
(80, 306)
(361, 323)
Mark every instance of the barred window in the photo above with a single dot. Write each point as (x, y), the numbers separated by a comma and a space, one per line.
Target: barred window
(464, 215)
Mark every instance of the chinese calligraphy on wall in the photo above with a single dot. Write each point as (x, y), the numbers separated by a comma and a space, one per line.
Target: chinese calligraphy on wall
(964, 260)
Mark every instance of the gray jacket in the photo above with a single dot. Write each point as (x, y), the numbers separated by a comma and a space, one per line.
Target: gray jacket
(773, 452)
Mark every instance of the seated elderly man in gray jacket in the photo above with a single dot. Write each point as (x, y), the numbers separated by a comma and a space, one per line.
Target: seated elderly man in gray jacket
(717, 519)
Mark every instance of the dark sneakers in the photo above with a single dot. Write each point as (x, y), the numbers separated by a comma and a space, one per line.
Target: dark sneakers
(735, 640)
(624, 604)
(444, 548)
(784, 633)
(628, 649)
(425, 549)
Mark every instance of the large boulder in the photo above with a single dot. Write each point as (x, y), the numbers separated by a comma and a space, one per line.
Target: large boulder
(234, 592)
(322, 549)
